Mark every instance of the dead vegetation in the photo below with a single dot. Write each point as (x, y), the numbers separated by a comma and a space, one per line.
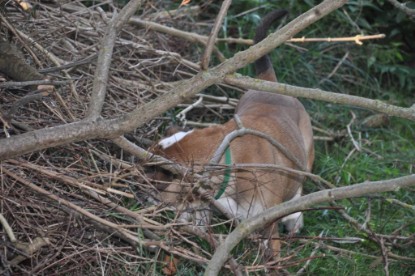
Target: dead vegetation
(82, 208)
(70, 207)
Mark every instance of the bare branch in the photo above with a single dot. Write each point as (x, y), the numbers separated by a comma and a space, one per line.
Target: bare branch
(214, 33)
(79, 131)
(192, 37)
(318, 94)
(32, 82)
(275, 39)
(255, 223)
(356, 39)
(105, 56)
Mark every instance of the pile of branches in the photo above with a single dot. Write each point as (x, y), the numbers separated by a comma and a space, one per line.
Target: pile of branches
(83, 207)
(69, 208)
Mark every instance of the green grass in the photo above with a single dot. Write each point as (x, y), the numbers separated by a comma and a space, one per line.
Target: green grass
(373, 70)
(395, 151)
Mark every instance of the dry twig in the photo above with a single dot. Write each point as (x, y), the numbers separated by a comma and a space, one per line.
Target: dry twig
(204, 64)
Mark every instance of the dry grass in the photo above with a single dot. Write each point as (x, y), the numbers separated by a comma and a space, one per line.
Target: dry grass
(75, 199)
(82, 208)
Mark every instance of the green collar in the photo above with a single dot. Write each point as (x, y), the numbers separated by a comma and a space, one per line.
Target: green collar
(227, 176)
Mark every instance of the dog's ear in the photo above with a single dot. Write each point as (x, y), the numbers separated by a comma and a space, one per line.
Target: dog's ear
(172, 130)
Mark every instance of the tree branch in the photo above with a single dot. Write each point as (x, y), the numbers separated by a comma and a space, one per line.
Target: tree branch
(204, 64)
(79, 131)
(32, 82)
(105, 56)
(403, 8)
(318, 94)
(192, 37)
(257, 222)
(275, 39)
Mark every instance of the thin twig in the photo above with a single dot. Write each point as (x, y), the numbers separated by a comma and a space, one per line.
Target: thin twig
(141, 153)
(349, 131)
(69, 65)
(336, 249)
(182, 114)
(401, 204)
(307, 263)
(384, 256)
(25, 100)
(341, 61)
(204, 63)
(192, 37)
(7, 228)
(357, 39)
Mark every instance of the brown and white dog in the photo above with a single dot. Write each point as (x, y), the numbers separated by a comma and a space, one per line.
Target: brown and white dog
(248, 192)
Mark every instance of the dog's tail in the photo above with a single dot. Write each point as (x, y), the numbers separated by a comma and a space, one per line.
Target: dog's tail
(263, 66)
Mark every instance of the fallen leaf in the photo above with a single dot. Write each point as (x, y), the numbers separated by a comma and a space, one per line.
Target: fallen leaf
(171, 266)
(184, 3)
(24, 5)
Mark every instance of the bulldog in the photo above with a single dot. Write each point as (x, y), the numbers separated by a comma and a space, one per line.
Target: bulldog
(245, 191)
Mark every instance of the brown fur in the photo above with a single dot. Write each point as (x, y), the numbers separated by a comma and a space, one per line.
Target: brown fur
(281, 117)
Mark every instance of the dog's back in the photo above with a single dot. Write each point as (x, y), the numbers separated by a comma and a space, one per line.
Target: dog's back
(286, 114)
(284, 117)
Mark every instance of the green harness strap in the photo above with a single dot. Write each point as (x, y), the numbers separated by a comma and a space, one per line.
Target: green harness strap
(227, 176)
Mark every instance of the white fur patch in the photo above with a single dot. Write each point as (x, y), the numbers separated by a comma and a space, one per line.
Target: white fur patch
(229, 204)
(295, 221)
(252, 209)
(169, 141)
(239, 211)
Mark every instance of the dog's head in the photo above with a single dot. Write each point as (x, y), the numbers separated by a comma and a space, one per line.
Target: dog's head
(171, 188)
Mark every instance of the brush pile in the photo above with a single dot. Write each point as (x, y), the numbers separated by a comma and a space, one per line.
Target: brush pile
(86, 208)
(81, 208)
